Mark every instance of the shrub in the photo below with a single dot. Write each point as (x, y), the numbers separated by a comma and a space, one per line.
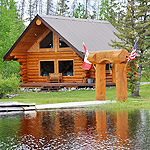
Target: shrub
(10, 84)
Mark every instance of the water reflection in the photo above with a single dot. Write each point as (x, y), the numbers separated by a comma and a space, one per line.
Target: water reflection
(76, 130)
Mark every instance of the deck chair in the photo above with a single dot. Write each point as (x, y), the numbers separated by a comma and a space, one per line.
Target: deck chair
(55, 77)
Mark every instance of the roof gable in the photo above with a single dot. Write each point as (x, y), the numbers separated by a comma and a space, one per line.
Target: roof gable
(95, 34)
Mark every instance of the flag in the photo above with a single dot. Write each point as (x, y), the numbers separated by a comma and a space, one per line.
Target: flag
(86, 64)
(133, 53)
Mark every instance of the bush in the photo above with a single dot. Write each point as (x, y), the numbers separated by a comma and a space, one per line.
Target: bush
(10, 84)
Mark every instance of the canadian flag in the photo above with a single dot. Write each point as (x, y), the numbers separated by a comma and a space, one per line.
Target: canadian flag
(86, 64)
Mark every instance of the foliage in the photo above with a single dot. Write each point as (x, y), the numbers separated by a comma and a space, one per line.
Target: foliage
(10, 29)
(103, 14)
(7, 85)
(134, 23)
(80, 12)
(62, 8)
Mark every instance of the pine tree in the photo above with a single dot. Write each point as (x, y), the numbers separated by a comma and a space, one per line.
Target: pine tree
(73, 7)
(49, 7)
(31, 10)
(62, 8)
(80, 12)
(134, 23)
(11, 27)
(103, 14)
(142, 29)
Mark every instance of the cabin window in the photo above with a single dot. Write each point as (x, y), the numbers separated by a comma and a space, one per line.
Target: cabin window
(62, 44)
(46, 67)
(47, 42)
(66, 67)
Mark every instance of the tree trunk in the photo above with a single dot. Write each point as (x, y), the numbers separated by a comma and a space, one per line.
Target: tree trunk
(48, 7)
(137, 89)
(22, 9)
(86, 5)
(132, 79)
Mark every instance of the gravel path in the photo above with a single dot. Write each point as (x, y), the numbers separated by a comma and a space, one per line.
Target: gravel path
(144, 83)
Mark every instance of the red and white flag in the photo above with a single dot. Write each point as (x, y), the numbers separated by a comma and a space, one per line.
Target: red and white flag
(133, 53)
(86, 64)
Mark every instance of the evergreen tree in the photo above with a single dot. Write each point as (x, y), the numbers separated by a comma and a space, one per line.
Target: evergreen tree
(31, 10)
(73, 7)
(80, 12)
(49, 7)
(134, 23)
(103, 14)
(11, 27)
(62, 8)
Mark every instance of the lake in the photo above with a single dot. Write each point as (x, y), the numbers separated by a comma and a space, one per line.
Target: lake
(76, 129)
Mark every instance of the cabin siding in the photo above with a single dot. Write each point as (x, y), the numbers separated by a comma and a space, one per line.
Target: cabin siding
(30, 66)
(33, 65)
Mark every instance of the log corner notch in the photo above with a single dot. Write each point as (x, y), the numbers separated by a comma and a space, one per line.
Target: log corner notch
(117, 57)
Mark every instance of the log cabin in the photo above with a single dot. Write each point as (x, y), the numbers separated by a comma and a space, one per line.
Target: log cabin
(54, 44)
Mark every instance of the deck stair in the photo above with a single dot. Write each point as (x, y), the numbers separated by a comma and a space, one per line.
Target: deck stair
(15, 106)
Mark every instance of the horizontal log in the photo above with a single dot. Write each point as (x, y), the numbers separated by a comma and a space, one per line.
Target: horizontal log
(20, 56)
(71, 80)
(38, 53)
(33, 67)
(36, 77)
(78, 63)
(32, 73)
(112, 56)
(78, 70)
(21, 60)
(72, 77)
(32, 63)
(37, 80)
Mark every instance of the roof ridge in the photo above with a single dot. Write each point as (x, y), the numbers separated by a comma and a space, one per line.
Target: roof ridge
(74, 19)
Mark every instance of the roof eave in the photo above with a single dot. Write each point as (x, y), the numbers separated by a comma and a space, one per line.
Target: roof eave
(19, 39)
(5, 58)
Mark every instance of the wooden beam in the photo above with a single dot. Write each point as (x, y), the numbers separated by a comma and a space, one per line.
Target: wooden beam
(121, 82)
(100, 82)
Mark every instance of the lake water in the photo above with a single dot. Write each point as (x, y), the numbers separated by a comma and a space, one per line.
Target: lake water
(76, 129)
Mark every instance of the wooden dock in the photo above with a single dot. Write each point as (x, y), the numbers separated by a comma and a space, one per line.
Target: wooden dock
(51, 86)
(15, 106)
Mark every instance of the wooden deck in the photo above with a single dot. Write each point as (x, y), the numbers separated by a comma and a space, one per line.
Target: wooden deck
(15, 106)
(61, 85)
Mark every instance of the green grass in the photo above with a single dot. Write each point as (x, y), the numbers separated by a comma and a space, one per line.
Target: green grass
(143, 79)
(85, 95)
(142, 102)
(53, 97)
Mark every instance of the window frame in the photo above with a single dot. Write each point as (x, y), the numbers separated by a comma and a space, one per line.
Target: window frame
(40, 66)
(46, 49)
(64, 42)
(65, 60)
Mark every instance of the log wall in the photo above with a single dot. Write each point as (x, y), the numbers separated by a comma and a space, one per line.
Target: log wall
(33, 65)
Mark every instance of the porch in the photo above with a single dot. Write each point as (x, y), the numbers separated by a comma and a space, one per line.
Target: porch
(56, 86)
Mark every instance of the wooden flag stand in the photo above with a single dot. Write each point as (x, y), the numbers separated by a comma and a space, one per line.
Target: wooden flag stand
(117, 57)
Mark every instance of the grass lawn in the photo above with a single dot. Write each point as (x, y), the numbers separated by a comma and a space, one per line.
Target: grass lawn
(83, 95)
(143, 79)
